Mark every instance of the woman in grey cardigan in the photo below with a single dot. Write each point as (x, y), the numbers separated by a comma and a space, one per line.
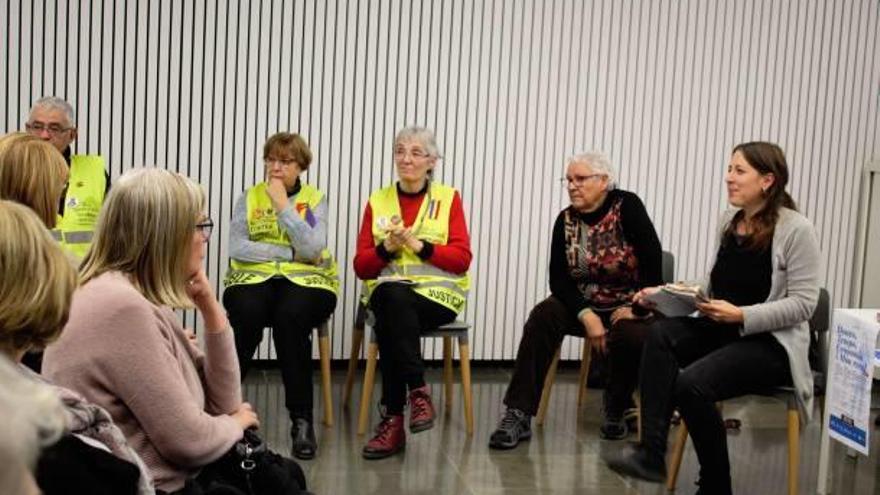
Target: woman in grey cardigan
(751, 335)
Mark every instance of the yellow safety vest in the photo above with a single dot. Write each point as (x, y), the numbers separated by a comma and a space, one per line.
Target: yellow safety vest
(82, 203)
(432, 225)
(263, 227)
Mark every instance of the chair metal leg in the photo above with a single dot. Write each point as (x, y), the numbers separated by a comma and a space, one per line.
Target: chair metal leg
(586, 354)
(324, 353)
(357, 340)
(677, 455)
(467, 397)
(793, 448)
(447, 375)
(367, 392)
(548, 385)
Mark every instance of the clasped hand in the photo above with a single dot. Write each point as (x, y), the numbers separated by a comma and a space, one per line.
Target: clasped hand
(399, 237)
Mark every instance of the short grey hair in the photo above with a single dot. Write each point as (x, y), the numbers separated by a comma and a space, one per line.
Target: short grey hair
(598, 161)
(55, 103)
(420, 134)
(33, 418)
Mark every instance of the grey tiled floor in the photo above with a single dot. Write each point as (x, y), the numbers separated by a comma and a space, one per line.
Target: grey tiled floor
(564, 456)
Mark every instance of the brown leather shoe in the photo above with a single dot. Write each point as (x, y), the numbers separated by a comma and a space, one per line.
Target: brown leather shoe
(421, 410)
(390, 438)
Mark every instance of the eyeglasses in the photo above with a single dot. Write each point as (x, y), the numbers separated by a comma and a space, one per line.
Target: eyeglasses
(52, 129)
(283, 162)
(205, 227)
(417, 154)
(578, 180)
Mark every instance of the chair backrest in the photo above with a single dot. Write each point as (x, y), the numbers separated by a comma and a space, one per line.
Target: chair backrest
(819, 322)
(668, 270)
(819, 325)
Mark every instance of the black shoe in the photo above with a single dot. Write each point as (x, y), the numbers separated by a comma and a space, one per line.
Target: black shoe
(614, 428)
(304, 444)
(514, 426)
(637, 462)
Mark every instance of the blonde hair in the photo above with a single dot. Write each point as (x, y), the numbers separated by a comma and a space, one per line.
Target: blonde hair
(37, 281)
(32, 173)
(145, 230)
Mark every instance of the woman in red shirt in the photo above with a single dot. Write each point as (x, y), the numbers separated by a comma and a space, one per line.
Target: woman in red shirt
(413, 252)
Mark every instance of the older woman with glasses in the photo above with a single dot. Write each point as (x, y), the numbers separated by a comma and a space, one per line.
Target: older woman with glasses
(413, 252)
(604, 249)
(282, 276)
(124, 348)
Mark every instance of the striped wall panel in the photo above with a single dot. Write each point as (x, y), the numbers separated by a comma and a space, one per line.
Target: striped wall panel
(510, 86)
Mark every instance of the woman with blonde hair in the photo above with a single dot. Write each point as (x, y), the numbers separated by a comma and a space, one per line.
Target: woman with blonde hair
(33, 173)
(37, 283)
(180, 407)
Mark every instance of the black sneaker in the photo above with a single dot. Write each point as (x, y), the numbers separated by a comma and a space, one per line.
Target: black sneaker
(514, 426)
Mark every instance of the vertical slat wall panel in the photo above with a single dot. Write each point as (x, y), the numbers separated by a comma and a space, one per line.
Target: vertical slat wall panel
(510, 86)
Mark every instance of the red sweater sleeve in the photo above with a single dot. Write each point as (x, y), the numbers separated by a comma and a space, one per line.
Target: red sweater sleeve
(367, 263)
(455, 256)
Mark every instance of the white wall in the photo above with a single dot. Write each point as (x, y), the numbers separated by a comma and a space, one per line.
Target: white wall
(511, 87)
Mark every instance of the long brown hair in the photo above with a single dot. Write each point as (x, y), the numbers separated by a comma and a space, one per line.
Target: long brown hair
(766, 158)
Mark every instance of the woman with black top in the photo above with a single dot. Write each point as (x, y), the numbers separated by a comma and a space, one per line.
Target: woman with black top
(604, 249)
(752, 334)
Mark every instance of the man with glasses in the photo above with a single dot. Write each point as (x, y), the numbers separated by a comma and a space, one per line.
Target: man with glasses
(52, 120)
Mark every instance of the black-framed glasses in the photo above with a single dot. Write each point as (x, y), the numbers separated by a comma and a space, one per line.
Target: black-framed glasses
(53, 129)
(205, 227)
(578, 180)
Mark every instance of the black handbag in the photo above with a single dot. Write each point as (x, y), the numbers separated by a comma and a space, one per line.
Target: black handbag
(250, 468)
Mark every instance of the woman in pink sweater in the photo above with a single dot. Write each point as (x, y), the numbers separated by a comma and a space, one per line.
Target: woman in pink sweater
(124, 348)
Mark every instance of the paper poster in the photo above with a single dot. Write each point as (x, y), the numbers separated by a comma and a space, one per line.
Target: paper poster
(851, 369)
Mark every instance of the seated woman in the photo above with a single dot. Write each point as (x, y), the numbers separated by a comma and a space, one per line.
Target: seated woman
(33, 173)
(37, 282)
(413, 252)
(752, 334)
(125, 349)
(282, 276)
(604, 249)
(33, 419)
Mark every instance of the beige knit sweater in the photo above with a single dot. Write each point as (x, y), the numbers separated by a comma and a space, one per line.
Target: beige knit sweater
(171, 400)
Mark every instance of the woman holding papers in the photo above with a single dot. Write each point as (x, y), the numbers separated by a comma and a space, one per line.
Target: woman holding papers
(413, 251)
(604, 249)
(752, 333)
(282, 276)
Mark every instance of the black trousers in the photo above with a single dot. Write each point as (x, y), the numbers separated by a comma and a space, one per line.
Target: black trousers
(691, 363)
(402, 316)
(544, 330)
(293, 312)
